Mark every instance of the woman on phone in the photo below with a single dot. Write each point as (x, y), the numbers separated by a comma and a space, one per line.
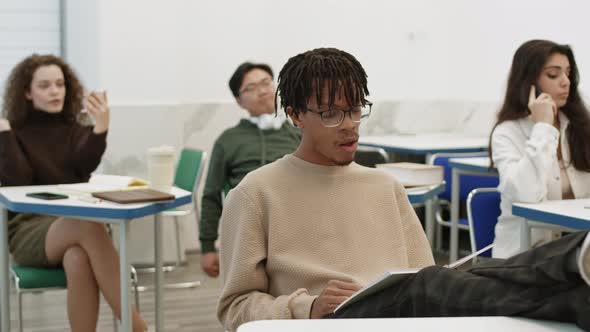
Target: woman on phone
(540, 143)
(43, 141)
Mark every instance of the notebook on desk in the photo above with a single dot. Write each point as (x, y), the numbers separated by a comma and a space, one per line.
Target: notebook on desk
(413, 174)
(134, 196)
(105, 182)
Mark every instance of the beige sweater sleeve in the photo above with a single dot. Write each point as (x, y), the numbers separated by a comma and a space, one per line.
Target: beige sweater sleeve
(418, 249)
(245, 295)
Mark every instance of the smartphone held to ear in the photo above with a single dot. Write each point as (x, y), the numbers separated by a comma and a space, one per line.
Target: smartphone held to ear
(46, 196)
(538, 91)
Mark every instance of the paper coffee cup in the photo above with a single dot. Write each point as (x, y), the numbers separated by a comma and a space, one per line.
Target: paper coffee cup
(161, 167)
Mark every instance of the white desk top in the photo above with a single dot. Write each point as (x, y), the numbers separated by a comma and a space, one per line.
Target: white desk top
(15, 199)
(427, 143)
(455, 324)
(419, 195)
(574, 213)
(480, 162)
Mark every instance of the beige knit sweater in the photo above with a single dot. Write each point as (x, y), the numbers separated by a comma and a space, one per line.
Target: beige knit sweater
(291, 226)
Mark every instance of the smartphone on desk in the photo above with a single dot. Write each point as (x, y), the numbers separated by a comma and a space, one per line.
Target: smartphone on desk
(46, 196)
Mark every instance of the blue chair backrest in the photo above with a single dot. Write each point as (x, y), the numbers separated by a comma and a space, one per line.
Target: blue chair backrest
(483, 210)
(468, 182)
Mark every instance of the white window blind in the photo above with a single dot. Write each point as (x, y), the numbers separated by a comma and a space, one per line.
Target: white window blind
(26, 27)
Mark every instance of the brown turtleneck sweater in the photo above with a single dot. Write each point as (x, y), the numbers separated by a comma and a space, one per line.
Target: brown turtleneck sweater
(49, 150)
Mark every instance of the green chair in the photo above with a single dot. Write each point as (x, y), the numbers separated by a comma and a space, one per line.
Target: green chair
(225, 191)
(34, 280)
(188, 176)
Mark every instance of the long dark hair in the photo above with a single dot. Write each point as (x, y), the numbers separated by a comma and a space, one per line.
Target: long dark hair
(17, 106)
(527, 66)
(306, 71)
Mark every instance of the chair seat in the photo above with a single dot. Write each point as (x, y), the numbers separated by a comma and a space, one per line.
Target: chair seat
(32, 277)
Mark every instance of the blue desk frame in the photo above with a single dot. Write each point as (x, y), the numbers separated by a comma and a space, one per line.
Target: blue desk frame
(93, 212)
(551, 218)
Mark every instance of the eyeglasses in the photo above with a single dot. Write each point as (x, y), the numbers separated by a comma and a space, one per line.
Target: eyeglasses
(253, 87)
(334, 118)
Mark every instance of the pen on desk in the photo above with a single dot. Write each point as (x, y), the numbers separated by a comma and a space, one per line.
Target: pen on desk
(586, 207)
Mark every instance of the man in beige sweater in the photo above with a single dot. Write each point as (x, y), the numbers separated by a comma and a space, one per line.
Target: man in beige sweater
(302, 234)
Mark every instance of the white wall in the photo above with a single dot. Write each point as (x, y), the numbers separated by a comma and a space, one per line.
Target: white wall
(172, 60)
(185, 51)
(27, 27)
(83, 23)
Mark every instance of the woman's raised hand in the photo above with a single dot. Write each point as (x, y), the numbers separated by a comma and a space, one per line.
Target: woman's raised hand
(96, 103)
(543, 108)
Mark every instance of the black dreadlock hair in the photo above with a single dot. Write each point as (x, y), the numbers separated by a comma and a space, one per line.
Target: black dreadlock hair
(310, 70)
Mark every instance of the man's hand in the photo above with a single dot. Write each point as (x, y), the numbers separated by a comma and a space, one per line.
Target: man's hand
(210, 263)
(335, 293)
(97, 105)
(4, 125)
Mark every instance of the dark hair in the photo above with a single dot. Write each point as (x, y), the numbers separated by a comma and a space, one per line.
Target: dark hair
(527, 66)
(309, 71)
(17, 106)
(235, 82)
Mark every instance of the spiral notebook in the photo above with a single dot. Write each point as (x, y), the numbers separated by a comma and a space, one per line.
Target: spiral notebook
(134, 196)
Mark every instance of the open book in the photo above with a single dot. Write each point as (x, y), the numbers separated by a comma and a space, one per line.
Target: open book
(393, 277)
(105, 182)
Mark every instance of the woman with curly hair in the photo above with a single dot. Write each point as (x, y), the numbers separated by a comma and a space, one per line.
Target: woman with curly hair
(43, 141)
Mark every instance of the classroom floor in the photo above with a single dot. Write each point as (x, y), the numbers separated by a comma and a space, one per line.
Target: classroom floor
(185, 310)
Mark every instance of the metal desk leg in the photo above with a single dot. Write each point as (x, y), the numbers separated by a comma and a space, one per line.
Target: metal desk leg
(125, 276)
(429, 204)
(525, 234)
(428, 158)
(159, 275)
(4, 281)
(454, 242)
(429, 210)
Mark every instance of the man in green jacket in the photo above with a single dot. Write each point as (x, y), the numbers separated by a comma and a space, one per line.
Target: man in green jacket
(255, 141)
